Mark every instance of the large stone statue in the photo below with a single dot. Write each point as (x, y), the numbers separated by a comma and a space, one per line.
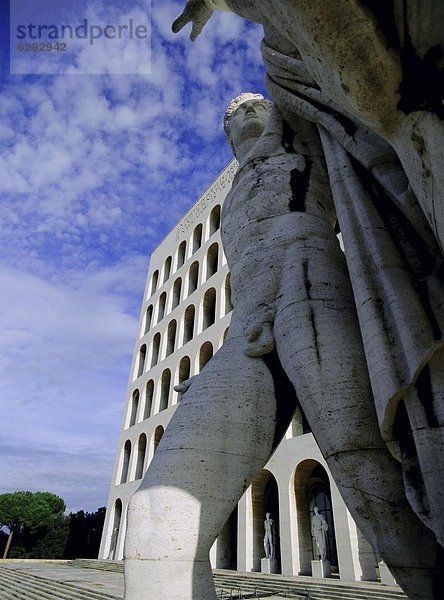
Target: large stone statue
(269, 537)
(293, 309)
(374, 93)
(319, 528)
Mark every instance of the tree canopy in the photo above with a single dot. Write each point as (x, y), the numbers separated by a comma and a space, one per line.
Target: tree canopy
(40, 529)
(85, 532)
(36, 521)
(29, 510)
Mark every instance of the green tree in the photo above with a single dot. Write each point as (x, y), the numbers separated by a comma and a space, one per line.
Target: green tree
(26, 514)
(51, 542)
(85, 532)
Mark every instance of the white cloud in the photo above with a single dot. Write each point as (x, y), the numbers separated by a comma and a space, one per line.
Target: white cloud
(95, 171)
(66, 351)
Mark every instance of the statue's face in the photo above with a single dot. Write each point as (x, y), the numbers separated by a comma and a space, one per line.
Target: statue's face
(248, 120)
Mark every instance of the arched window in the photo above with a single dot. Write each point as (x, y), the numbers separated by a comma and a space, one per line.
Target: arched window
(228, 304)
(265, 499)
(134, 408)
(142, 358)
(184, 371)
(148, 399)
(158, 433)
(126, 461)
(162, 303)
(115, 529)
(167, 269)
(319, 495)
(148, 318)
(188, 326)
(206, 352)
(212, 259)
(209, 308)
(226, 549)
(141, 452)
(156, 346)
(154, 282)
(193, 277)
(171, 340)
(165, 384)
(215, 219)
(197, 238)
(181, 252)
(177, 288)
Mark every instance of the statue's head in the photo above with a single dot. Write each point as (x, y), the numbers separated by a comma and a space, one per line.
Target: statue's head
(315, 510)
(245, 118)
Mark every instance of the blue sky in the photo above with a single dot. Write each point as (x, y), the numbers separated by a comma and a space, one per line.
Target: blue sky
(94, 171)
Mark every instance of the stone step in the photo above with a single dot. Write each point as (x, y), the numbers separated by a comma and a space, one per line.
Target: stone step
(305, 590)
(115, 566)
(24, 590)
(252, 583)
(318, 589)
(15, 588)
(19, 584)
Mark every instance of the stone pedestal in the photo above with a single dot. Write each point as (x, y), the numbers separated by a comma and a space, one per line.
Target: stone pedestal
(385, 575)
(269, 565)
(320, 569)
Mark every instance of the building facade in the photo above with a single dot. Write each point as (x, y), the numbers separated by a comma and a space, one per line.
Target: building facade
(184, 320)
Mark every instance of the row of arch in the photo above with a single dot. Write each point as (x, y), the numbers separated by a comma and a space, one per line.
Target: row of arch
(134, 461)
(348, 552)
(157, 311)
(181, 255)
(311, 488)
(291, 504)
(191, 324)
(156, 398)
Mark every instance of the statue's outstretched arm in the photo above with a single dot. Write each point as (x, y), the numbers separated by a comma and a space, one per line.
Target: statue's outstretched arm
(197, 12)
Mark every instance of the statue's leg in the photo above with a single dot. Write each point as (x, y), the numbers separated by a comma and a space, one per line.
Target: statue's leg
(219, 438)
(319, 344)
(419, 427)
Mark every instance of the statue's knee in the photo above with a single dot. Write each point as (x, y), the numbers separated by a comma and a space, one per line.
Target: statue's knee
(138, 508)
(153, 526)
(159, 512)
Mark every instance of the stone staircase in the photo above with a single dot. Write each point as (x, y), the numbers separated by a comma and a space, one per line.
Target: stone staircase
(17, 584)
(254, 585)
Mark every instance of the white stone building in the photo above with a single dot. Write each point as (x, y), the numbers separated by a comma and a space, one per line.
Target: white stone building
(184, 320)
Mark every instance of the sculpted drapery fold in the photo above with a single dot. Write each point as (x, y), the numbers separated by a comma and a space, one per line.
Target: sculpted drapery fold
(395, 265)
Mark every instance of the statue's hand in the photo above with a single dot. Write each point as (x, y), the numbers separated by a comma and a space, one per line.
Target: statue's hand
(260, 339)
(183, 387)
(198, 13)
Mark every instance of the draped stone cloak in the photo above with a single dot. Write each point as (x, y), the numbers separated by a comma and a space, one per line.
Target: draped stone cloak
(395, 265)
